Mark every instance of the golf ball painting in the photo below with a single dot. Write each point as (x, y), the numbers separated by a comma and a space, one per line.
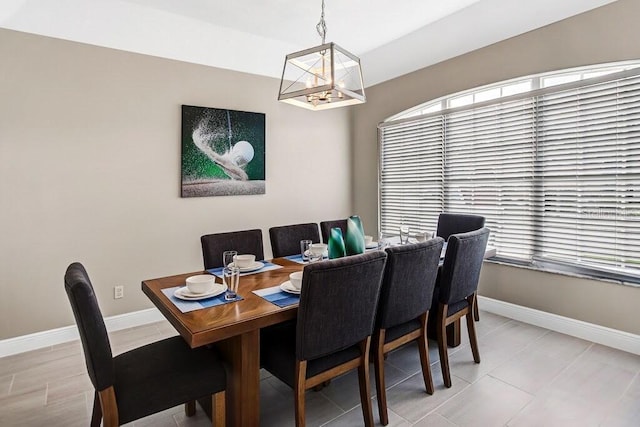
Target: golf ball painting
(223, 152)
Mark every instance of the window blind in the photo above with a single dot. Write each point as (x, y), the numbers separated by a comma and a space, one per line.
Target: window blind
(555, 172)
(489, 170)
(411, 175)
(589, 163)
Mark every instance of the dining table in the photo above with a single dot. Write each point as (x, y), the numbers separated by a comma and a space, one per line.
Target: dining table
(234, 330)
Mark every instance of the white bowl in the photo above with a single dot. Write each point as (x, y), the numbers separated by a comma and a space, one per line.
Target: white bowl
(244, 261)
(200, 284)
(421, 237)
(296, 279)
(318, 248)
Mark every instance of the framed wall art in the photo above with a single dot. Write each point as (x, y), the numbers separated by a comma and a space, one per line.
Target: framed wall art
(223, 152)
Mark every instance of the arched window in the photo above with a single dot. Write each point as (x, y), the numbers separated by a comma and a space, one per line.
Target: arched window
(552, 161)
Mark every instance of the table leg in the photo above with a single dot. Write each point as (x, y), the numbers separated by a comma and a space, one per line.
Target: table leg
(453, 334)
(242, 353)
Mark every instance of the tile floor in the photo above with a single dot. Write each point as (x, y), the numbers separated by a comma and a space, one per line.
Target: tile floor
(528, 376)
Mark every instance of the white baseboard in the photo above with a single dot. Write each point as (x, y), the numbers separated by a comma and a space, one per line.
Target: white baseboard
(577, 328)
(69, 333)
(588, 331)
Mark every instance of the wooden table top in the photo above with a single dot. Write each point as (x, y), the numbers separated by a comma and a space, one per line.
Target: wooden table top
(209, 325)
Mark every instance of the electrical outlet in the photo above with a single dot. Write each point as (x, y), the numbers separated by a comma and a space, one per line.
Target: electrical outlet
(118, 292)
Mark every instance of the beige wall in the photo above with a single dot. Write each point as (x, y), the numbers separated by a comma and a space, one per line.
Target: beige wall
(606, 34)
(90, 165)
(90, 172)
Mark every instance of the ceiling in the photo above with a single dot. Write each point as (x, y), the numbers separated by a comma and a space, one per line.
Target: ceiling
(392, 38)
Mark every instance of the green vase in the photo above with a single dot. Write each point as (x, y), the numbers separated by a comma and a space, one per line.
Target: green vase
(336, 244)
(354, 241)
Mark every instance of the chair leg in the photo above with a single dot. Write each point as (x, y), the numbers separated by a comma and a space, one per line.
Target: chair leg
(423, 346)
(190, 408)
(299, 389)
(218, 417)
(96, 415)
(378, 366)
(473, 341)
(109, 407)
(442, 344)
(363, 379)
(476, 310)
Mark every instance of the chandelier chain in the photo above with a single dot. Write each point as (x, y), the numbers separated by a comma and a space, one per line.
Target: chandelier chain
(321, 27)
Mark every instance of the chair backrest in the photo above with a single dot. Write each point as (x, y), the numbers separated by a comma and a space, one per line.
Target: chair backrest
(338, 303)
(285, 240)
(451, 223)
(244, 242)
(326, 226)
(93, 333)
(409, 280)
(462, 264)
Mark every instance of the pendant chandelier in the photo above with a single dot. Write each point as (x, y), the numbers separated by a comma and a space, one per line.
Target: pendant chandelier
(322, 77)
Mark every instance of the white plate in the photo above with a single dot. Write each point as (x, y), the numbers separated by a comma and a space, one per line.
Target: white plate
(372, 245)
(184, 294)
(289, 288)
(257, 265)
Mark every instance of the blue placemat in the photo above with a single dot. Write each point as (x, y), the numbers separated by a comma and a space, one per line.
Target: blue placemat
(296, 258)
(267, 266)
(187, 306)
(278, 297)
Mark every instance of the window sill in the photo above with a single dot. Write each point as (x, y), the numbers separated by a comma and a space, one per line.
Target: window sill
(576, 274)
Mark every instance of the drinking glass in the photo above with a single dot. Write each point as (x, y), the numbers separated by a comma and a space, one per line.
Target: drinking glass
(231, 278)
(404, 234)
(304, 249)
(314, 257)
(227, 258)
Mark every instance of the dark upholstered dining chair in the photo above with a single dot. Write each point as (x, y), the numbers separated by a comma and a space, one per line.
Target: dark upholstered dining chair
(454, 295)
(332, 334)
(452, 223)
(244, 242)
(285, 240)
(146, 380)
(405, 300)
(326, 226)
